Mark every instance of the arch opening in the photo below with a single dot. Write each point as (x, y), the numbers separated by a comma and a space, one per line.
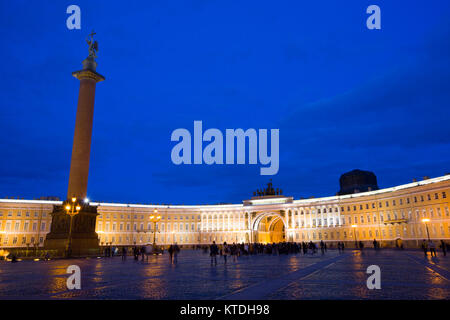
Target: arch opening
(269, 228)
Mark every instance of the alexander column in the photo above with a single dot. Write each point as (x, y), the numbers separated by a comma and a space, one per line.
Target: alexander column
(73, 224)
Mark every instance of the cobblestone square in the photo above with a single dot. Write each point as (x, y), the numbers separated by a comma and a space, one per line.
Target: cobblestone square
(404, 275)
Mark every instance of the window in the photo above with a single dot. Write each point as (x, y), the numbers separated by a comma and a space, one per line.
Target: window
(444, 195)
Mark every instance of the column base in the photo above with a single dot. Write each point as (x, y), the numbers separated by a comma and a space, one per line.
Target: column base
(85, 240)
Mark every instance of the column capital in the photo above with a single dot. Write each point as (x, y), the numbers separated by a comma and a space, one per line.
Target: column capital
(88, 74)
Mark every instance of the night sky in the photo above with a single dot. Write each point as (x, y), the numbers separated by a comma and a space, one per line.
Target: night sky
(343, 96)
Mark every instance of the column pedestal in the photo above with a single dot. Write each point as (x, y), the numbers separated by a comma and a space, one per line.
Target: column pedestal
(85, 240)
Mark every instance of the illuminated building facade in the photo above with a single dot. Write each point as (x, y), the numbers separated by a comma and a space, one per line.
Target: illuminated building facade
(393, 216)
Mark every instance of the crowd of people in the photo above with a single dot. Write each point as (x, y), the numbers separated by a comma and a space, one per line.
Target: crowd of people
(430, 246)
(235, 250)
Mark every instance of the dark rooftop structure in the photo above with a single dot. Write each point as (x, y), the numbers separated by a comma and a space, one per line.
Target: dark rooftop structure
(357, 181)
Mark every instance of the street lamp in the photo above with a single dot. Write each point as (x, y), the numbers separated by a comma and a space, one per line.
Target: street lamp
(154, 218)
(72, 209)
(425, 221)
(354, 233)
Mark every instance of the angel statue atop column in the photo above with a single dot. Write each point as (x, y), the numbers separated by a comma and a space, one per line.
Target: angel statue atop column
(93, 45)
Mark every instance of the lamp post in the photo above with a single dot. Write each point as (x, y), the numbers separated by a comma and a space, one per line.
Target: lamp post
(154, 218)
(354, 233)
(72, 210)
(425, 221)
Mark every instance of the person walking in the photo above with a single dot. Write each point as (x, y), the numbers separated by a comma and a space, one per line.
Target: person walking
(424, 247)
(176, 250)
(432, 247)
(142, 252)
(226, 252)
(213, 252)
(170, 250)
(233, 251)
(322, 247)
(444, 248)
(124, 253)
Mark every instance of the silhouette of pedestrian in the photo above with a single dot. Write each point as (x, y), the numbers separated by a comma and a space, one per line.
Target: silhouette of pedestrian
(124, 253)
(444, 248)
(432, 247)
(176, 250)
(226, 252)
(424, 247)
(213, 252)
(170, 254)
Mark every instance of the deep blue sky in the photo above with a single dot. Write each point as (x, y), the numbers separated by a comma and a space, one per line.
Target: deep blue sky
(343, 96)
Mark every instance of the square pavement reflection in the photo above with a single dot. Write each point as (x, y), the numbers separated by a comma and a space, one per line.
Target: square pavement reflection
(404, 275)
